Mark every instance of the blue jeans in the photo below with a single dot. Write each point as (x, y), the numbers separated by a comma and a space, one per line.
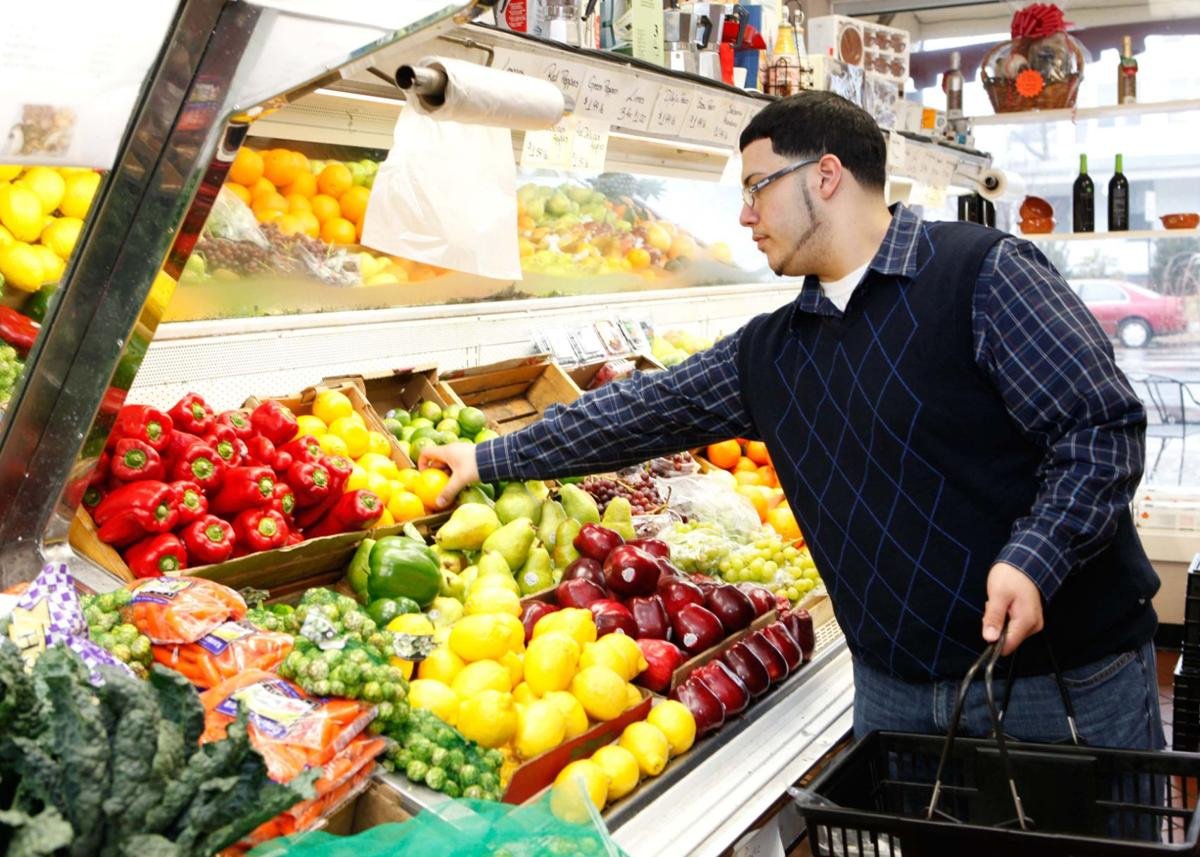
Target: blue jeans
(1115, 701)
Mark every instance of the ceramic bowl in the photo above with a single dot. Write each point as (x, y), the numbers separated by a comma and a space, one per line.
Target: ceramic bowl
(1034, 207)
(1036, 225)
(1185, 220)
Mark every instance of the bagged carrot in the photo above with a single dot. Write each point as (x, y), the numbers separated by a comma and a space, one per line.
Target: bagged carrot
(176, 610)
(224, 652)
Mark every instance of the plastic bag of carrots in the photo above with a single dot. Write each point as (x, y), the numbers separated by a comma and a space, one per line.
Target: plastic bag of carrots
(291, 729)
(177, 610)
(224, 652)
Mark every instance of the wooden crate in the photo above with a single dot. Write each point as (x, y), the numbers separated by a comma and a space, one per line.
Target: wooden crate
(400, 388)
(514, 393)
(583, 374)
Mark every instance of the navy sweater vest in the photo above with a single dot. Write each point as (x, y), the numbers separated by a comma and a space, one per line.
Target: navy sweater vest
(906, 473)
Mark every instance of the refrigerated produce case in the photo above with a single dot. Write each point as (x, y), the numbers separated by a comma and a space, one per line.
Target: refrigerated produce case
(270, 74)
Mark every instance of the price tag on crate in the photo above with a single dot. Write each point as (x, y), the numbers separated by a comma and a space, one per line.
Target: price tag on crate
(670, 109)
(602, 94)
(589, 145)
(702, 119)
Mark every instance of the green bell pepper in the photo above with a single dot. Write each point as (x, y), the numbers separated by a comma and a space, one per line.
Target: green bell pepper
(396, 567)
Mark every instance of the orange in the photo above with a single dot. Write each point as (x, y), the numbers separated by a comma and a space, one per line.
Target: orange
(724, 454)
(354, 203)
(239, 191)
(338, 230)
(309, 224)
(304, 184)
(758, 496)
(301, 163)
(280, 167)
(747, 477)
(267, 215)
(290, 224)
(639, 258)
(428, 485)
(274, 201)
(784, 523)
(767, 473)
(247, 167)
(405, 506)
(745, 464)
(756, 451)
(260, 188)
(325, 207)
(335, 180)
(297, 202)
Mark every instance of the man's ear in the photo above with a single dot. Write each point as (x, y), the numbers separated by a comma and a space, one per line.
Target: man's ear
(830, 175)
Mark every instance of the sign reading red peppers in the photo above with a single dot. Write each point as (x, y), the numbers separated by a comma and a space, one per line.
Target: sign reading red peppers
(189, 487)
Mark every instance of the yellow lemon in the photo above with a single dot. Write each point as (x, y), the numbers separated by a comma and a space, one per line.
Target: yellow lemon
(488, 718)
(633, 696)
(436, 697)
(550, 663)
(625, 651)
(6, 237)
(8, 172)
(497, 581)
(379, 445)
(404, 505)
(311, 425)
(480, 637)
(353, 432)
(595, 654)
(515, 664)
(21, 212)
(415, 624)
(482, 675)
(379, 463)
(78, 194)
(648, 745)
(576, 717)
(441, 665)
(540, 727)
(61, 236)
(523, 694)
(491, 599)
(600, 691)
(622, 770)
(408, 476)
(578, 782)
(516, 631)
(573, 621)
(385, 520)
(357, 478)
(47, 184)
(331, 444)
(676, 722)
(380, 486)
(330, 405)
(21, 266)
(52, 266)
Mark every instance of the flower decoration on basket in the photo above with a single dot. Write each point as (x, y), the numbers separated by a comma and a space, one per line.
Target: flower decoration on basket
(1039, 68)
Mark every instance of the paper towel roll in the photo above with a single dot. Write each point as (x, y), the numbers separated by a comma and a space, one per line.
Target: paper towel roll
(993, 184)
(478, 95)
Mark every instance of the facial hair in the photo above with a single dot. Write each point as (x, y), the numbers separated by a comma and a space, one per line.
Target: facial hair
(814, 226)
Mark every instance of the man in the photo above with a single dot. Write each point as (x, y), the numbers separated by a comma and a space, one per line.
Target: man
(948, 424)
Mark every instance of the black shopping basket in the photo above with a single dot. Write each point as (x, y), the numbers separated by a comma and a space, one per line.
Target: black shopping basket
(903, 795)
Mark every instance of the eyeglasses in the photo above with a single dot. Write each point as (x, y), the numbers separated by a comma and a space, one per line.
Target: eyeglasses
(750, 191)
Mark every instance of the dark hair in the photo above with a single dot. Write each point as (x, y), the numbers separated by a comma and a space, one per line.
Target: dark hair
(810, 124)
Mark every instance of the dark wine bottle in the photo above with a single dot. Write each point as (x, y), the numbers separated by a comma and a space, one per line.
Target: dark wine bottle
(1083, 200)
(1118, 200)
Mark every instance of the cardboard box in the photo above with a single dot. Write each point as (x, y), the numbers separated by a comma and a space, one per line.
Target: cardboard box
(513, 393)
(583, 374)
(400, 388)
(378, 804)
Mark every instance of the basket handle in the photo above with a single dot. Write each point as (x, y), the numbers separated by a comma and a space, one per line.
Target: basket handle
(989, 655)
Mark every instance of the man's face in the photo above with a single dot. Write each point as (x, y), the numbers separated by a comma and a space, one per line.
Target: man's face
(784, 222)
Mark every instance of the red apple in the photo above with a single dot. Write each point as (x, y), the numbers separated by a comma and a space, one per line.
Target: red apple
(578, 593)
(703, 704)
(696, 628)
(769, 654)
(725, 685)
(800, 623)
(748, 667)
(650, 616)
(732, 606)
(596, 541)
(613, 616)
(667, 569)
(662, 658)
(585, 568)
(533, 611)
(631, 571)
(760, 596)
(676, 592)
(778, 634)
(655, 547)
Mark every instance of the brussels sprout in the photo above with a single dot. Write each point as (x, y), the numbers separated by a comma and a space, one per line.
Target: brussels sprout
(451, 789)
(435, 778)
(473, 792)
(416, 770)
(468, 775)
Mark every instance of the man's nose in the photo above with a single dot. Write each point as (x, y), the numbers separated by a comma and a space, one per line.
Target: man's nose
(748, 216)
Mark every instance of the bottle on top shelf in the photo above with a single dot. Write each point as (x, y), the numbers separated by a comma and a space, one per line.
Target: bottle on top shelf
(952, 83)
(1118, 200)
(784, 72)
(1127, 74)
(1083, 200)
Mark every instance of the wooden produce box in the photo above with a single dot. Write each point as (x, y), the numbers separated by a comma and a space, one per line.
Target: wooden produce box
(583, 374)
(513, 393)
(400, 388)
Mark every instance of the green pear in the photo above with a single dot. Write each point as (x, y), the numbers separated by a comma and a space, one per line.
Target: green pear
(618, 517)
(444, 612)
(452, 585)
(552, 516)
(492, 562)
(516, 502)
(512, 541)
(468, 528)
(537, 574)
(468, 577)
(579, 504)
(538, 489)
(476, 494)
(451, 561)
(564, 543)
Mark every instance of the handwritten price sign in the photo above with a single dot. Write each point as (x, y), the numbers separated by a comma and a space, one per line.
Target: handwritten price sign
(634, 109)
(670, 110)
(589, 147)
(602, 94)
(703, 118)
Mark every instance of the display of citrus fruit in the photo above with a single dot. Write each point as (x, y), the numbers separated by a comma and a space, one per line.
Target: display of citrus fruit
(488, 718)
(600, 691)
(676, 722)
(550, 663)
(480, 637)
(576, 717)
(441, 665)
(429, 485)
(434, 696)
(578, 782)
(648, 745)
(541, 726)
(479, 676)
(621, 767)
(247, 167)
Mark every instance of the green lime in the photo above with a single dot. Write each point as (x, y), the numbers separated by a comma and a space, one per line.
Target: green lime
(406, 432)
(446, 437)
(421, 422)
(472, 421)
(425, 431)
(448, 426)
(400, 415)
(486, 434)
(451, 412)
(431, 411)
(394, 427)
(414, 448)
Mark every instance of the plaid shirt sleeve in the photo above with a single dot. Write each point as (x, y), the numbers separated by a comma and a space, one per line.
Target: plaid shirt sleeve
(628, 422)
(1057, 374)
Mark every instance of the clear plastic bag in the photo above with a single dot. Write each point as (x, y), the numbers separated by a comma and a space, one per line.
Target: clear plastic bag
(704, 498)
(229, 649)
(177, 610)
(232, 219)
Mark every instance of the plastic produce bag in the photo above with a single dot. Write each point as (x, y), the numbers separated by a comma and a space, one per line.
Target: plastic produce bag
(232, 219)
(704, 498)
(175, 610)
(229, 649)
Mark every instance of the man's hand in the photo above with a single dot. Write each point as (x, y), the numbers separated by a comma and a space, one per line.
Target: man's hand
(1011, 595)
(459, 459)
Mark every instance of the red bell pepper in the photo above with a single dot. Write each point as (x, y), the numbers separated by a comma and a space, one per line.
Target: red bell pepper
(19, 331)
(259, 530)
(134, 511)
(208, 540)
(200, 464)
(354, 510)
(135, 459)
(101, 469)
(263, 453)
(304, 448)
(112, 400)
(189, 500)
(274, 422)
(284, 501)
(177, 446)
(244, 488)
(225, 444)
(310, 481)
(294, 538)
(237, 421)
(142, 422)
(340, 468)
(92, 497)
(192, 415)
(156, 556)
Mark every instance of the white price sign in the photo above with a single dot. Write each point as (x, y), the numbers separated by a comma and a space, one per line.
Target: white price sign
(601, 95)
(702, 119)
(731, 123)
(550, 148)
(518, 63)
(566, 76)
(670, 109)
(589, 147)
(897, 152)
(636, 106)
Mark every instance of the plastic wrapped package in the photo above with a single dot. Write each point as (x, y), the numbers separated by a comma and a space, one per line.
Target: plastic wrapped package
(228, 650)
(707, 498)
(176, 610)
